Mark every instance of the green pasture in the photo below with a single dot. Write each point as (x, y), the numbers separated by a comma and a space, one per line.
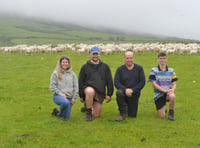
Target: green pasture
(26, 105)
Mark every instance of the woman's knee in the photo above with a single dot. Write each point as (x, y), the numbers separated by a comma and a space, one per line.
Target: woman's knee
(58, 99)
(66, 102)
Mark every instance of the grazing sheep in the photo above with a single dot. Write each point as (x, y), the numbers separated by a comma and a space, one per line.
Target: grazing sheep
(170, 48)
(194, 51)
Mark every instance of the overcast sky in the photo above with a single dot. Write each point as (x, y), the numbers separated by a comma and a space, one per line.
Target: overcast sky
(177, 18)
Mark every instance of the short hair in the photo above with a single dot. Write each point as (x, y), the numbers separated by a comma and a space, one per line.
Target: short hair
(162, 54)
(128, 51)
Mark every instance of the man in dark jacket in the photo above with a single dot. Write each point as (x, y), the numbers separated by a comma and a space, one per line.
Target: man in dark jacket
(94, 77)
(129, 80)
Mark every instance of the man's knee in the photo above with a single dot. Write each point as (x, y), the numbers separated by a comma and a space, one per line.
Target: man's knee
(120, 92)
(96, 114)
(171, 97)
(97, 109)
(89, 92)
(161, 115)
(161, 112)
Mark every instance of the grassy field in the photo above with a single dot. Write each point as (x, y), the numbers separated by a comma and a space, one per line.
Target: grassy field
(26, 105)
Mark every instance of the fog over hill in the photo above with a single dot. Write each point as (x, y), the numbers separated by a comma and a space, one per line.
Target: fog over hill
(172, 18)
(88, 28)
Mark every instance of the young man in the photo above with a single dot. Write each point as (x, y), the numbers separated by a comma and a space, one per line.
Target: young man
(163, 80)
(129, 81)
(94, 77)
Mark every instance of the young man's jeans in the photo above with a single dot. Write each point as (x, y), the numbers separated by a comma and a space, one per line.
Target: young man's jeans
(65, 105)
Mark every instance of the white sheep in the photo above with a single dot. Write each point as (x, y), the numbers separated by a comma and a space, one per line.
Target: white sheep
(194, 51)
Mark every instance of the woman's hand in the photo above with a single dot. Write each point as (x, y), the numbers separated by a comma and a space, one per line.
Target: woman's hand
(73, 101)
(62, 94)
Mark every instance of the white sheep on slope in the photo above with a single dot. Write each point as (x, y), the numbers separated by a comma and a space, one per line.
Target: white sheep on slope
(194, 51)
(170, 48)
(107, 51)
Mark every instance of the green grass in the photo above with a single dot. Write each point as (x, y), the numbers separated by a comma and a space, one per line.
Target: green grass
(26, 105)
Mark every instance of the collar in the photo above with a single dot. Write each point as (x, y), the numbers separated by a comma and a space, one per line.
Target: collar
(89, 62)
(160, 69)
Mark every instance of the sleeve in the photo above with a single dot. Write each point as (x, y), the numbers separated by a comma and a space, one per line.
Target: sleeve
(117, 80)
(75, 86)
(142, 81)
(174, 77)
(110, 87)
(81, 82)
(152, 76)
(53, 84)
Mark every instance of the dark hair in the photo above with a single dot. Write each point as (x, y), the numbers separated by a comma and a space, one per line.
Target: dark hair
(162, 54)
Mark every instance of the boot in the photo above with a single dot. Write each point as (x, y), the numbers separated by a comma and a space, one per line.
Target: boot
(121, 117)
(55, 112)
(89, 115)
(171, 115)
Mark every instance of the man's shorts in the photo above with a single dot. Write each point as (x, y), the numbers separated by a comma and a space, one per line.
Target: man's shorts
(97, 98)
(160, 102)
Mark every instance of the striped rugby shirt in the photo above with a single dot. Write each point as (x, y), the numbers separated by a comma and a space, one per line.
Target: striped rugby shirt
(163, 79)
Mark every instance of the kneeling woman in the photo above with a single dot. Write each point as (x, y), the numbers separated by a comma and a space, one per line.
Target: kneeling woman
(64, 86)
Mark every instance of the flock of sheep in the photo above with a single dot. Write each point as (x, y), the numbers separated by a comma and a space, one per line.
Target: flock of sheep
(170, 48)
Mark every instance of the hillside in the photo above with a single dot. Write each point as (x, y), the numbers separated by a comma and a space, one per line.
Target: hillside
(20, 30)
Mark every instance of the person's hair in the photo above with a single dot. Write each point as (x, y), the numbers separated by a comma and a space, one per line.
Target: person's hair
(128, 51)
(162, 54)
(59, 69)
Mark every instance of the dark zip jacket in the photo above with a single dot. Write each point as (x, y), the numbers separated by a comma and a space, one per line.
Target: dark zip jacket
(97, 76)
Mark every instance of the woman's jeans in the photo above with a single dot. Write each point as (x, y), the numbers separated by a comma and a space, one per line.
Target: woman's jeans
(65, 105)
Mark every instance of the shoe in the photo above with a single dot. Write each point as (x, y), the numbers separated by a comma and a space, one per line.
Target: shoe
(55, 112)
(121, 117)
(171, 115)
(61, 118)
(89, 116)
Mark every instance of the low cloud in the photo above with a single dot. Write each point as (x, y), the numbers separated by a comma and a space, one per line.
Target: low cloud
(176, 18)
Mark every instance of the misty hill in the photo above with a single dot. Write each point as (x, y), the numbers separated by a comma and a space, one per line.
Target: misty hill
(21, 30)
